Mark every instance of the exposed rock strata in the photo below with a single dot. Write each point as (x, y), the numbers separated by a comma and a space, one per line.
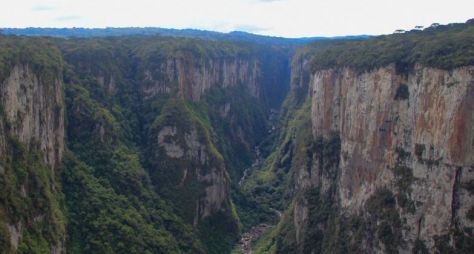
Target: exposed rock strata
(421, 122)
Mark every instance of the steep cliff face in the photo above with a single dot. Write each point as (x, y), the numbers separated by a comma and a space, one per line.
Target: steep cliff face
(31, 149)
(382, 159)
(393, 151)
(35, 111)
(375, 171)
(191, 77)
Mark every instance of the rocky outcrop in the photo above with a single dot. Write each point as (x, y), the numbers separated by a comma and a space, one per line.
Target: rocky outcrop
(35, 112)
(199, 166)
(187, 166)
(191, 77)
(410, 134)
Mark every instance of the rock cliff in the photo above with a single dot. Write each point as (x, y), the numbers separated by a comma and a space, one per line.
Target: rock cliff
(191, 77)
(386, 170)
(31, 149)
(376, 148)
(410, 134)
(34, 109)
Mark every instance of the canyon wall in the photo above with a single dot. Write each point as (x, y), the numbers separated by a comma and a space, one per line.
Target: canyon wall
(395, 152)
(191, 77)
(31, 151)
(34, 109)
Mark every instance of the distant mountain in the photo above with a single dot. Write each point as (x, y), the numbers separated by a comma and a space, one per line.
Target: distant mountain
(148, 31)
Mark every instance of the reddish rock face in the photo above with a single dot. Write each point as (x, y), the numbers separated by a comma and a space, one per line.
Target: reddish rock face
(426, 115)
(460, 148)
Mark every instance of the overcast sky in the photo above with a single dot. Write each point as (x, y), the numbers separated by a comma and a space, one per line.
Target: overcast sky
(290, 18)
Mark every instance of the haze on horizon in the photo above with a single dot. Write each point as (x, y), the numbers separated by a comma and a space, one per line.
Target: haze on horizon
(287, 18)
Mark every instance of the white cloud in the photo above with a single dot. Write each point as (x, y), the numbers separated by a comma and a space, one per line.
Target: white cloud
(292, 18)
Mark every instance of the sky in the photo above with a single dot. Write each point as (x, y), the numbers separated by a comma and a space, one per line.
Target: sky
(287, 18)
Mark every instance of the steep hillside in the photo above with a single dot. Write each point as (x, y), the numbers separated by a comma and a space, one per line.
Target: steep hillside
(383, 158)
(31, 146)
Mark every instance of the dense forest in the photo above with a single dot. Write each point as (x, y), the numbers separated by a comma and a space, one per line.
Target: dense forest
(180, 141)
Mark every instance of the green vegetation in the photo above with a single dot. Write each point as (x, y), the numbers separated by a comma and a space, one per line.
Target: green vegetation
(30, 190)
(470, 188)
(245, 116)
(120, 143)
(285, 239)
(385, 219)
(328, 152)
(31, 194)
(404, 179)
(462, 242)
(419, 150)
(267, 184)
(109, 196)
(219, 233)
(4, 239)
(322, 233)
(420, 247)
(121, 190)
(38, 53)
(470, 213)
(444, 47)
(402, 93)
(178, 178)
(321, 209)
(105, 219)
(266, 243)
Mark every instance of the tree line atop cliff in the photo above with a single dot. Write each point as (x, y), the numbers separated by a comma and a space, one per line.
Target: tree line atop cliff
(79, 32)
(441, 46)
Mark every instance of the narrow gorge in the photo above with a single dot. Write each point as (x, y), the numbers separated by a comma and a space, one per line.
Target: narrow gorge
(181, 144)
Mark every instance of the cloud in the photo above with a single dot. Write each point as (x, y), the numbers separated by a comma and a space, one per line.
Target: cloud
(43, 7)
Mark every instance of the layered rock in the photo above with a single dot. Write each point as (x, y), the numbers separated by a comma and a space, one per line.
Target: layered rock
(406, 134)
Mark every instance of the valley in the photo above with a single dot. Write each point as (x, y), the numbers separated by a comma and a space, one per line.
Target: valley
(231, 143)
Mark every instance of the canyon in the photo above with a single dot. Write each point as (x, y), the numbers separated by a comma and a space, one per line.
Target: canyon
(155, 144)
